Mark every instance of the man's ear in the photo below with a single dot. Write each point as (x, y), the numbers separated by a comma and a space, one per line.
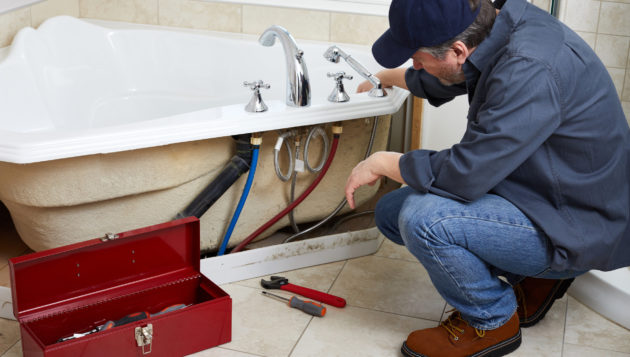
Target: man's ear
(461, 51)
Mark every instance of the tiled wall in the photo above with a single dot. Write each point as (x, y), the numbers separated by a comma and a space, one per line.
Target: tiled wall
(605, 25)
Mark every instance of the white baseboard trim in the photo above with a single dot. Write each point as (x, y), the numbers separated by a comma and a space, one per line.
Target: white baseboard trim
(295, 255)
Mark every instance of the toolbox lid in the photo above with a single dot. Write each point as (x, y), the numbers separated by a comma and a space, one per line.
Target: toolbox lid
(68, 277)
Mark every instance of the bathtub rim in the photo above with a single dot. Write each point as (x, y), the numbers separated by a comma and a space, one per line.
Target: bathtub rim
(31, 147)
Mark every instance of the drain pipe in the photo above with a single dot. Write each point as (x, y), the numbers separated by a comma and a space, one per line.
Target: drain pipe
(238, 165)
(337, 129)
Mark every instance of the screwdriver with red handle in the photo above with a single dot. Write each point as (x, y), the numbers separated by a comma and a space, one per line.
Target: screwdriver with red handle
(311, 308)
(136, 316)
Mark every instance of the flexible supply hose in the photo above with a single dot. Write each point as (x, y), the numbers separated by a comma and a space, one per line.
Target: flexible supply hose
(349, 217)
(293, 204)
(293, 182)
(241, 202)
(318, 130)
(276, 151)
(344, 201)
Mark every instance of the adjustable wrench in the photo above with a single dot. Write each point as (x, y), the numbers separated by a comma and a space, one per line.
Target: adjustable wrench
(279, 282)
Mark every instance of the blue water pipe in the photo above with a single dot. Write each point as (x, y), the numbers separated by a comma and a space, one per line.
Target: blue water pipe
(241, 202)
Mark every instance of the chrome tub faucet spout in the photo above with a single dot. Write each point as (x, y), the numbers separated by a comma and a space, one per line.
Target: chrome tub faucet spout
(298, 86)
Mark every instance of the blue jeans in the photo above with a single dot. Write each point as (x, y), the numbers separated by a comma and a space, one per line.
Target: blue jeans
(465, 247)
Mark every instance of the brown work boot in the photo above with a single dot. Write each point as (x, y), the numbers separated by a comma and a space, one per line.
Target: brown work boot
(455, 338)
(535, 297)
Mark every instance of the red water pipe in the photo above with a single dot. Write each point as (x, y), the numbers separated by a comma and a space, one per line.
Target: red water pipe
(293, 204)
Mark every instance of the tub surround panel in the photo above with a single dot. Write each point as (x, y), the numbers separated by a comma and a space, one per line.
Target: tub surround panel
(103, 177)
(302, 24)
(201, 15)
(138, 11)
(88, 196)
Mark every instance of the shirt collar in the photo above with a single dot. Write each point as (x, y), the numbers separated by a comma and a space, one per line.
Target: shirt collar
(509, 16)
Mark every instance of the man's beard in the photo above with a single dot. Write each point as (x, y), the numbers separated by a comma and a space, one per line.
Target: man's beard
(449, 77)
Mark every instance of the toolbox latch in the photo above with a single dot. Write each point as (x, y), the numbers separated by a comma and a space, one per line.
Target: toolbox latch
(109, 236)
(144, 338)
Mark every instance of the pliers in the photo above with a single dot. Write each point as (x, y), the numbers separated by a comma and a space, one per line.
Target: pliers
(282, 283)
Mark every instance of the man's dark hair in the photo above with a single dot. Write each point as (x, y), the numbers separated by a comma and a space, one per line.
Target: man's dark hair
(474, 34)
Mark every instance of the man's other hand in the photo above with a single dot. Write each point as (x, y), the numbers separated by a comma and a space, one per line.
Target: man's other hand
(368, 171)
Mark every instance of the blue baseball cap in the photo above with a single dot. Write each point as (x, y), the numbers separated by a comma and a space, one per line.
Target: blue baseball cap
(420, 23)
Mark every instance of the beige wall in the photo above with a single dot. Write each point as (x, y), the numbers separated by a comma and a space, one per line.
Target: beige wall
(605, 25)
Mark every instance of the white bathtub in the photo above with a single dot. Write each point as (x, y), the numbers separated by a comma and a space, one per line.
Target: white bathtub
(73, 88)
(107, 127)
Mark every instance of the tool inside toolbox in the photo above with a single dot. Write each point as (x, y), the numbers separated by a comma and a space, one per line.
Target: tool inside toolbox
(189, 291)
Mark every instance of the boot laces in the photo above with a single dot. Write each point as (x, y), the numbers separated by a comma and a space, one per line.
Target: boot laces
(452, 329)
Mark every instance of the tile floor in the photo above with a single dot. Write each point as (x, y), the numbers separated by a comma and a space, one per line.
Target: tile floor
(389, 294)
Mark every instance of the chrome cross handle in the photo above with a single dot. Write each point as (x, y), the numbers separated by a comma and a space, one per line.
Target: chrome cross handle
(255, 85)
(256, 103)
(339, 76)
(339, 94)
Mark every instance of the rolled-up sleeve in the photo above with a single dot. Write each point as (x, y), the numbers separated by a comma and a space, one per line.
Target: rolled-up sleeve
(518, 109)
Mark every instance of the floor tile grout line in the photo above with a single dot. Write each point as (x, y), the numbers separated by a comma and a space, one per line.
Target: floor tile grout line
(404, 260)
(301, 335)
(357, 306)
(392, 258)
(235, 350)
(309, 321)
(564, 332)
(337, 276)
(10, 347)
(443, 311)
(597, 348)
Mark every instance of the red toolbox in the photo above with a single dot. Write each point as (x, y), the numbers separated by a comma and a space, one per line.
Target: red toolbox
(77, 288)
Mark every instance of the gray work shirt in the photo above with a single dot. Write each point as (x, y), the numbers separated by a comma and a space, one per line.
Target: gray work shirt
(545, 130)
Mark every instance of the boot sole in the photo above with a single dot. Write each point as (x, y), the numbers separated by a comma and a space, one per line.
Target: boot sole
(500, 349)
(559, 292)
